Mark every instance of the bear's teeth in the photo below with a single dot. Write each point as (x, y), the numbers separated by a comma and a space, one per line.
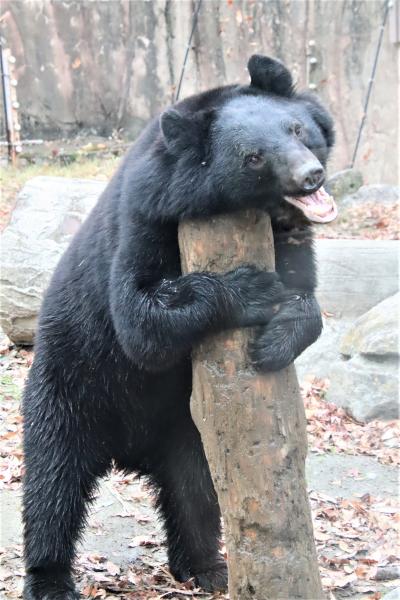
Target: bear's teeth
(319, 207)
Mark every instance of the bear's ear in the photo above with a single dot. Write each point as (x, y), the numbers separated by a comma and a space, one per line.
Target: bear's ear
(176, 129)
(270, 75)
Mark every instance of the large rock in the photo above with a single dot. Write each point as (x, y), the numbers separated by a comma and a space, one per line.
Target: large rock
(344, 182)
(376, 332)
(392, 595)
(378, 193)
(365, 382)
(48, 212)
(354, 275)
(318, 359)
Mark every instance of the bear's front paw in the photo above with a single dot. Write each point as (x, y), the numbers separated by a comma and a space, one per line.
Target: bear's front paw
(255, 293)
(295, 327)
(272, 350)
(214, 579)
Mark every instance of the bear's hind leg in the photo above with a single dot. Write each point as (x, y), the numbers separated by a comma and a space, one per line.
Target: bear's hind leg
(189, 506)
(62, 466)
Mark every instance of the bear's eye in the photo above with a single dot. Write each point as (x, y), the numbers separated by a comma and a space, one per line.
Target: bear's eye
(254, 160)
(297, 129)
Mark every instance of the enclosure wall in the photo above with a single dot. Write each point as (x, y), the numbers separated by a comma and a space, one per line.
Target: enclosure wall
(101, 66)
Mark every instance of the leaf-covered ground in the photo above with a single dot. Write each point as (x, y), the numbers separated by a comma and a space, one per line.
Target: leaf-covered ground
(368, 221)
(356, 537)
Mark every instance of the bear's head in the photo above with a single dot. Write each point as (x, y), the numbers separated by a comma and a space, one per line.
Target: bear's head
(261, 145)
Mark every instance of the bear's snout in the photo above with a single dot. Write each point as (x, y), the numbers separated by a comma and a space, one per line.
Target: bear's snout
(310, 176)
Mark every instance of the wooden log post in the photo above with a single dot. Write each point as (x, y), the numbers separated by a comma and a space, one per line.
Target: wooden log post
(253, 429)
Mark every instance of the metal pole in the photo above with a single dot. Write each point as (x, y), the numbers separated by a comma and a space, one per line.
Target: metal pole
(194, 24)
(370, 83)
(5, 85)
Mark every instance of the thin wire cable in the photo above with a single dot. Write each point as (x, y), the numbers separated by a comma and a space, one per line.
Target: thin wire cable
(370, 83)
(194, 24)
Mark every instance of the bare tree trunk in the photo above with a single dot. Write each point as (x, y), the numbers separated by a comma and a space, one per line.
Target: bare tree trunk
(253, 430)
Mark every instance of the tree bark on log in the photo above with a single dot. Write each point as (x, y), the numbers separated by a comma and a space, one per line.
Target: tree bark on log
(253, 430)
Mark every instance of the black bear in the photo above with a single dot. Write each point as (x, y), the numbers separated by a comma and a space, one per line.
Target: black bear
(111, 378)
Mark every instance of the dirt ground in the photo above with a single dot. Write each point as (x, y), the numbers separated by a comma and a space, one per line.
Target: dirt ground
(353, 490)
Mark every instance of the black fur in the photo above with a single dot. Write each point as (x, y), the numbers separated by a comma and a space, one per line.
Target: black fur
(111, 379)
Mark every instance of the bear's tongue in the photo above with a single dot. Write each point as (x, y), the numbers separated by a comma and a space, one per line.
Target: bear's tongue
(319, 207)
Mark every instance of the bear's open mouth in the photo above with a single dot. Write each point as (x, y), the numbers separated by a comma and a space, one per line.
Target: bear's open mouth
(319, 207)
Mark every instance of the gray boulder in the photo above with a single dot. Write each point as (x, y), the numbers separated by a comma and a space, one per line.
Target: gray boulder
(365, 381)
(392, 595)
(317, 360)
(348, 272)
(378, 193)
(344, 182)
(49, 210)
(375, 334)
(354, 275)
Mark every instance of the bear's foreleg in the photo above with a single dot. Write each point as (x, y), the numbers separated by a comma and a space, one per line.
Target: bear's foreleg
(298, 322)
(158, 319)
(295, 327)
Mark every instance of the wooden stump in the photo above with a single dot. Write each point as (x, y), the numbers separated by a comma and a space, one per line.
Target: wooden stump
(253, 429)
